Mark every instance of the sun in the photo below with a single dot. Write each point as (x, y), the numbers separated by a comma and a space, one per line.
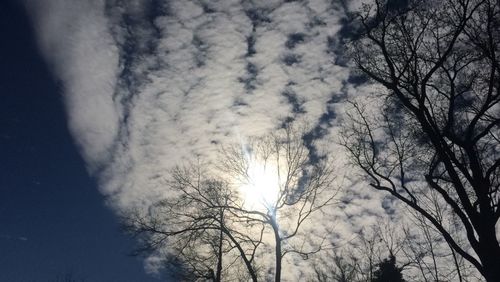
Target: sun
(261, 187)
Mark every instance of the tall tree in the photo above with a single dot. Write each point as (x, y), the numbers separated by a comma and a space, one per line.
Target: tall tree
(438, 127)
(290, 188)
(258, 195)
(196, 227)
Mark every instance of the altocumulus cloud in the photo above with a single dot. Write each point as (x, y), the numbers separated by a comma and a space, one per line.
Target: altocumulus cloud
(150, 83)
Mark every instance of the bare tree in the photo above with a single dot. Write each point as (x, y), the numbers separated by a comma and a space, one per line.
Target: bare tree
(421, 253)
(431, 255)
(358, 259)
(195, 226)
(339, 267)
(299, 188)
(260, 193)
(439, 124)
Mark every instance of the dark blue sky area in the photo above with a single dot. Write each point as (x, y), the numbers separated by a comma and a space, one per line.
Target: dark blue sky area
(52, 219)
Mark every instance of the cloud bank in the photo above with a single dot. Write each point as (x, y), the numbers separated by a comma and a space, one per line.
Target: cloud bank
(148, 84)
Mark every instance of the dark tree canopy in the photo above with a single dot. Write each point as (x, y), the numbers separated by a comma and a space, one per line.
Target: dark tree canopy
(388, 271)
(433, 141)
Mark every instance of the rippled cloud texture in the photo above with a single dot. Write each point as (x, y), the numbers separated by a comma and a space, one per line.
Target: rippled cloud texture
(150, 83)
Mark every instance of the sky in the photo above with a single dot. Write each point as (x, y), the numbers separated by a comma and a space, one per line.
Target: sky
(148, 84)
(53, 220)
(104, 97)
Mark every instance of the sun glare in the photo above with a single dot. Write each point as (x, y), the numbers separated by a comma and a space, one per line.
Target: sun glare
(261, 188)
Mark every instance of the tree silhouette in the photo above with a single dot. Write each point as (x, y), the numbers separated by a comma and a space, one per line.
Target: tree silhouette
(302, 188)
(197, 228)
(388, 271)
(223, 216)
(433, 140)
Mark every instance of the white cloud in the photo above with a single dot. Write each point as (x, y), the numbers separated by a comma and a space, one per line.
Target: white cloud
(73, 36)
(143, 93)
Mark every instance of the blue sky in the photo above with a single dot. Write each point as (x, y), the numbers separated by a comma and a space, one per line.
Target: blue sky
(53, 221)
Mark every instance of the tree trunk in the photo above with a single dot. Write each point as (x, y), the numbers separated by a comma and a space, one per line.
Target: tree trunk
(278, 259)
(489, 255)
(219, 259)
(491, 267)
(277, 240)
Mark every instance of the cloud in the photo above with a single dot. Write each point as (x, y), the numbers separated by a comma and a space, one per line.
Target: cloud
(148, 84)
(74, 38)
